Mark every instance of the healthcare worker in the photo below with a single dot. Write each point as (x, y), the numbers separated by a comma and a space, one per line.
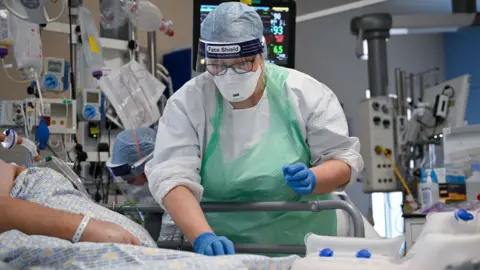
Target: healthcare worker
(131, 150)
(249, 131)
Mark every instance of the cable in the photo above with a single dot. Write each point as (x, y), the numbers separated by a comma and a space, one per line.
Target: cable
(39, 90)
(55, 145)
(449, 87)
(25, 123)
(10, 77)
(66, 150)
(51, 150)
(388, 155)
(109, 179)
(70, 38)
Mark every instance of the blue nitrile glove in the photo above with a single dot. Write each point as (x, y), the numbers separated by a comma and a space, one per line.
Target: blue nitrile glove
(212, 245)
(300, 178)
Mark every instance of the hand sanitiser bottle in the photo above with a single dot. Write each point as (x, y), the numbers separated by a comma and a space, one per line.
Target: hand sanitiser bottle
(429, 190)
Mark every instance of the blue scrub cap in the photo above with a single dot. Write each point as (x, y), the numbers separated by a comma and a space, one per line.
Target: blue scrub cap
(232, 22)
(125, 149)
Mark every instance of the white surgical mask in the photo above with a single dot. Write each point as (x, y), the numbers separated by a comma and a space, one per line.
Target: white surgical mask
(236, 87)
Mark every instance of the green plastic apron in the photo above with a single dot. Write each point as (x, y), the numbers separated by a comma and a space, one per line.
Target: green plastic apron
(257, 176)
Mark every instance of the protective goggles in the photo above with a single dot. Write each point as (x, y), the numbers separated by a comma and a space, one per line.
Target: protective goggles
(126, 169)
(217, 58)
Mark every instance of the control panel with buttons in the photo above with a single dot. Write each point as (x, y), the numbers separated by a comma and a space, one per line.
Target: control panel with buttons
(11, 113)
(59, 114)
(376, 133)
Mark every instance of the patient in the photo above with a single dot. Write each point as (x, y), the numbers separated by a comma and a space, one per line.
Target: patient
(40, 201)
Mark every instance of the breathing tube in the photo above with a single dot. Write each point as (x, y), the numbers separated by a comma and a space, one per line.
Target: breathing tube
(9, 139)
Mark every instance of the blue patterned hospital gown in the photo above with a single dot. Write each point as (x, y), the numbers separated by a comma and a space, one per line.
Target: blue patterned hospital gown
(50, 188)
(47, 187)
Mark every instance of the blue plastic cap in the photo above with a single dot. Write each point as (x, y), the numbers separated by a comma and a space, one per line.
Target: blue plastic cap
(51, 81)
(476, 167)
(326, 252)
(364, 254)
(90, 112)
(462, 214)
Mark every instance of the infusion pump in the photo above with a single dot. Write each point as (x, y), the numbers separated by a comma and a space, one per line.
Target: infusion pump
(92, 102)
(56, 75)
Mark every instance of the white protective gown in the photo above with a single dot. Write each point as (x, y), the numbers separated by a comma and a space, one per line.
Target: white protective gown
(185, 129)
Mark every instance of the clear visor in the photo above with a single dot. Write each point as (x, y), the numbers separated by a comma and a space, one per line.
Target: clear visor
(218, 58)
(131, 174)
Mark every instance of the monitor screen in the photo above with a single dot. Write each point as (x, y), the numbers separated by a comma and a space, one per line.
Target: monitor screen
(55, 67)
(93, 97)
(278, 24)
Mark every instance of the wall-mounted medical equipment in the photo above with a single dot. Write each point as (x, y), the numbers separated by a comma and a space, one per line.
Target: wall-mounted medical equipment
(33, 10)
(94, 144)
(376, 29)
(444, 105)
(91, 104)
(91, 47)
(56, 75)
(11, 113)
(279, 28)
(59, 115)
(449, 102)
(376, 134)
(6, 38)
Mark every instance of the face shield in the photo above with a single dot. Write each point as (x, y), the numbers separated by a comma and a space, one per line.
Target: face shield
(235, 67)
(130, 174)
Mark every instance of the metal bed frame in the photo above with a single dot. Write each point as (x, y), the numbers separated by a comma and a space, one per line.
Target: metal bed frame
(313, 206)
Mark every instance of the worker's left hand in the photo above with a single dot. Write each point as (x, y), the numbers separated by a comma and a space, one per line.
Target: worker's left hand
(300, 178)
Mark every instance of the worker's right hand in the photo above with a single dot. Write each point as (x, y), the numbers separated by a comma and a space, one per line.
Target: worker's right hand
(105, 232)
(211, 245)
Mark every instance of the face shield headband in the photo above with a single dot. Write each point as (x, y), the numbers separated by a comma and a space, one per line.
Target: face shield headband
(218, 50)
(210, 51)
(125, 169)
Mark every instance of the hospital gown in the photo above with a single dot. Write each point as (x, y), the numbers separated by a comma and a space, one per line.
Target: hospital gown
(47, 187)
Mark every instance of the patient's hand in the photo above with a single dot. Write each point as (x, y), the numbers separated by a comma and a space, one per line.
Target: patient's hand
(106, 232)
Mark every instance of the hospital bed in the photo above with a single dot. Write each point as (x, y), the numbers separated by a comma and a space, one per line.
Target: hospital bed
(39, 252)
(313, 206)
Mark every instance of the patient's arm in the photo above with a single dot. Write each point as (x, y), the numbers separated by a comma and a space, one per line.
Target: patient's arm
(35, 219)
(32, 218)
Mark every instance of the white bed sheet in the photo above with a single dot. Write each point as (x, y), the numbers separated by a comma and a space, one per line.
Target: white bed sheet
(40, 252)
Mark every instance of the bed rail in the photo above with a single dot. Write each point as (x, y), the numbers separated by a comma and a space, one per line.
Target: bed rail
(313, 206)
